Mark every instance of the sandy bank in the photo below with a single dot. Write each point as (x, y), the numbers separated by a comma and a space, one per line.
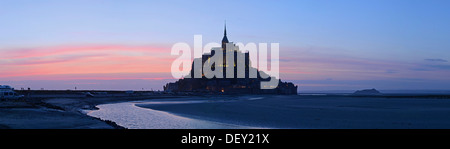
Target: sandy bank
(28, 116)
(54, 112)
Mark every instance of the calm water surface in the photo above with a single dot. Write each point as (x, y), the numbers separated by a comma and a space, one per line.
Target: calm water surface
(129, 115)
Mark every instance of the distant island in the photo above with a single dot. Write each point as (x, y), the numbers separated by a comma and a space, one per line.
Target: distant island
(367, 92)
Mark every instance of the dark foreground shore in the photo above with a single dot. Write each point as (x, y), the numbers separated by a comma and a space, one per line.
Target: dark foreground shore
(61, 110)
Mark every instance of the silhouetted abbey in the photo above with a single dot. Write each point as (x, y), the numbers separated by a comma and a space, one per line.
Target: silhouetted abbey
(225, 85)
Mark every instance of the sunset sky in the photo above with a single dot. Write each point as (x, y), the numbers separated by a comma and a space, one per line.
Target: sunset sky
(324, 44)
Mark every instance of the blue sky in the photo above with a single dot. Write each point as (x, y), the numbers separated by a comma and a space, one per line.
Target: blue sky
(368, 28)
(401, 39)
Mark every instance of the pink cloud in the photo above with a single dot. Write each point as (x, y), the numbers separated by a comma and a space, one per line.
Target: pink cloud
(113, 62)
(318, 64)
(100, 59)
(62, 50)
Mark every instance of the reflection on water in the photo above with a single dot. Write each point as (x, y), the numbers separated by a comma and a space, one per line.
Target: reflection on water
(256, 98)
(133, 117)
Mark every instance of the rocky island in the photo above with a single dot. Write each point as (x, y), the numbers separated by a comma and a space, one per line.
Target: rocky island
(234, 85)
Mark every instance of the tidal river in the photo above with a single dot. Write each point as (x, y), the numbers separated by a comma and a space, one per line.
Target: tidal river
(128, 115)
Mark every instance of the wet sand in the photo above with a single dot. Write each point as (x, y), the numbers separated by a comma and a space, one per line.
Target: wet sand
(334, 112)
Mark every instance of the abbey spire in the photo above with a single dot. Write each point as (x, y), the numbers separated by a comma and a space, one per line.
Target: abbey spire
(225, 32)
(225, 38)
